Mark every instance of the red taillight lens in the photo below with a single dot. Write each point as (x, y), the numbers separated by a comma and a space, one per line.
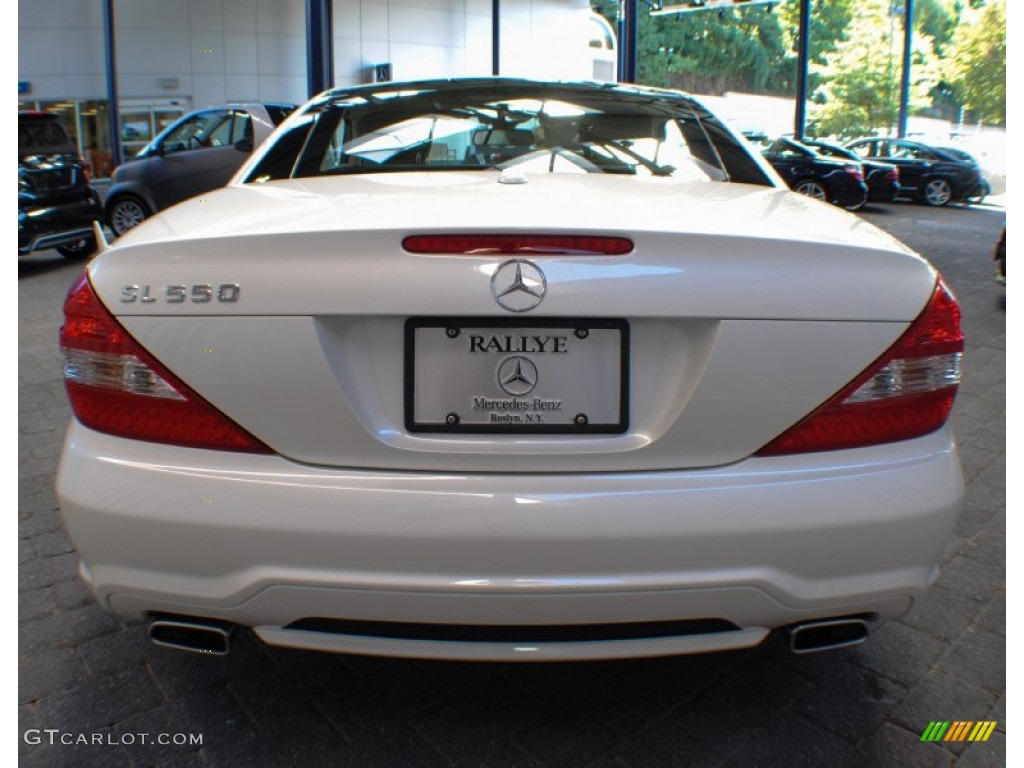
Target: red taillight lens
(116, 387)
(893, 175)
(475, 244)
(907, 392)
(856, 171)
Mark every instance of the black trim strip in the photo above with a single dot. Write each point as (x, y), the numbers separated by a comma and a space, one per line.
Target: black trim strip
(491, 633)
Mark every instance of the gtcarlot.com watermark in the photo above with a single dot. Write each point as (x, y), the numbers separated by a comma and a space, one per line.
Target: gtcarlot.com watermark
(56, 736)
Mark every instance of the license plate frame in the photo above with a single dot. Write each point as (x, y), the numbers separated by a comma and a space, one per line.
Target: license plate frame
(618, 424)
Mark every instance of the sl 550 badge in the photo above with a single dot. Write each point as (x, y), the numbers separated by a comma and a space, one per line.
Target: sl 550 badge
(178, 294)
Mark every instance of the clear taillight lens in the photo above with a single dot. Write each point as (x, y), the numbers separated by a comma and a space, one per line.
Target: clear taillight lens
(910, 377)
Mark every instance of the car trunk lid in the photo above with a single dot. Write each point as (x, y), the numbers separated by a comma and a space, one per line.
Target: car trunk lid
(716, 340)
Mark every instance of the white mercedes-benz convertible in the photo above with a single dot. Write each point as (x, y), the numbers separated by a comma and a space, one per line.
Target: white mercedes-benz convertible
(498, 369)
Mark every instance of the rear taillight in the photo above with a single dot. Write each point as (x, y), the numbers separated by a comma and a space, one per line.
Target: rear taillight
(907, 392)
(893, 175)
(856, 171)
(116, 387)
(484, 244)
(86, 170)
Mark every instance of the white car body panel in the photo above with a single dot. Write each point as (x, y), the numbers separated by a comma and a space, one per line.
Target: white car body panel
(338, 229)
(345, 379)
(705, 344)
(533, 651)
(262, 540)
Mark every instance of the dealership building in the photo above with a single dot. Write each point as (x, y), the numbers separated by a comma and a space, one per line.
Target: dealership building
(173, 56)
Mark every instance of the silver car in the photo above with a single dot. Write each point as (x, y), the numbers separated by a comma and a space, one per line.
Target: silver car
(199, 152)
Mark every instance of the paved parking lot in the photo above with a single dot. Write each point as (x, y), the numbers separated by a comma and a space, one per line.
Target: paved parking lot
(85, 673)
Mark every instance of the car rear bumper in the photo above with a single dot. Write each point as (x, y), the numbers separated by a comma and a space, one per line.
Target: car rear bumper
(883, 192)
(265, 542)
(845, 190)
(48, 226)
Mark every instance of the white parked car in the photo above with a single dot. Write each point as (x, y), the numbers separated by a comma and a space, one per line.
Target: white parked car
(497, 369)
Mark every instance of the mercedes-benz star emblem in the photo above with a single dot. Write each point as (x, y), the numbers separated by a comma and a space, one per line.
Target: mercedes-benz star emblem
(518, 285)
(517, 376)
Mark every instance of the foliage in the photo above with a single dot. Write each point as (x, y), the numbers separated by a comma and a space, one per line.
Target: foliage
(862, 78)
(856, 54)
(976, 68)
(711, 52)
(938, 19)
(828, 25)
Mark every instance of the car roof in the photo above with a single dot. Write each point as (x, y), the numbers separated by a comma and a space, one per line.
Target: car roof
(890, 138)
(452, 84)
(244, 105)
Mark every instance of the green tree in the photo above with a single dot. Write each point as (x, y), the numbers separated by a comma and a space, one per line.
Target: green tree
(860, 79)
(829, 21)
(976, 67)
(938, 19)
(856, 53)
(709, 52)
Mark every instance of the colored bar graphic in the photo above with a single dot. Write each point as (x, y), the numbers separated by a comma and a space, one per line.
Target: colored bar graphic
(982, 731)
(935, 731)
(958, 730)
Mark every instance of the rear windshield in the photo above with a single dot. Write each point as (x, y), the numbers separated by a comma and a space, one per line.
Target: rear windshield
(955, 154)
(831, 150)
(41, 133)
(532, 127)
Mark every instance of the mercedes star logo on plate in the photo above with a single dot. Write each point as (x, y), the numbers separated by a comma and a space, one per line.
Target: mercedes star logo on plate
(518, 285)
(517, 376)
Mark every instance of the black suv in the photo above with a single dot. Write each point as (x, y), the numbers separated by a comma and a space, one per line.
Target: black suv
(56, 205)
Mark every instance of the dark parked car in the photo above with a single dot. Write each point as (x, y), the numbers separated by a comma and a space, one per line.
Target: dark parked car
(837, 181)
(56, 205)
(197, 153)
(928, 174)
(883, 179)
(984, 189)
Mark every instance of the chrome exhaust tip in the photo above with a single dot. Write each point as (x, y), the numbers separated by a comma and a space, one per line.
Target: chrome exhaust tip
(196, 635)
(827, 635)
